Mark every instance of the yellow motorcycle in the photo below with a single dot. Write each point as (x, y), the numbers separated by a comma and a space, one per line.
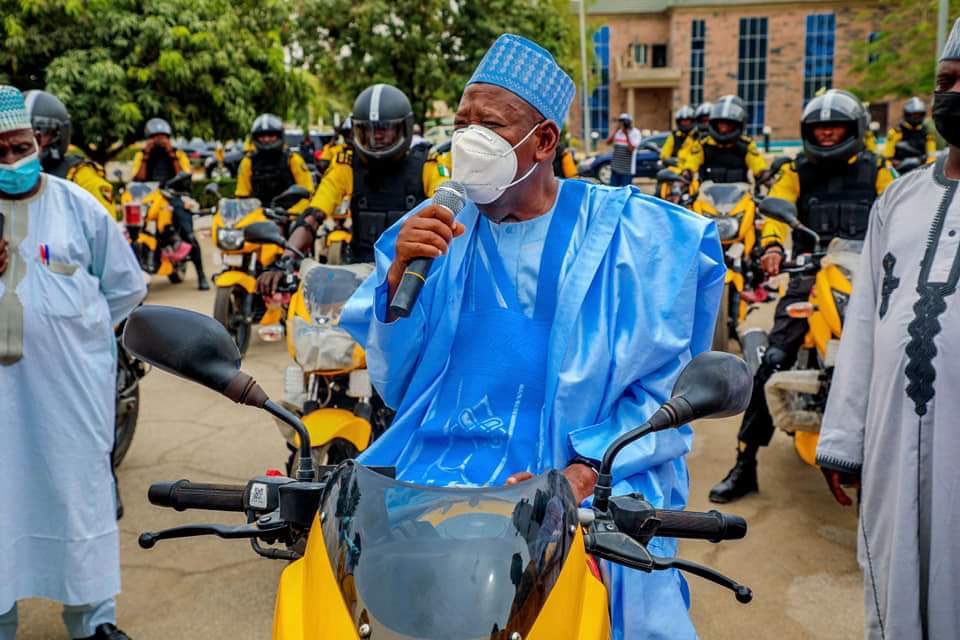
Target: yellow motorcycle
(733, 208)
(383, 558)
(335, 235)
(329, 386)
(798, 397)
(236, 304)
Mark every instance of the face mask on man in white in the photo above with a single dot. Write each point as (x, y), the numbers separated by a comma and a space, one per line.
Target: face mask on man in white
(485, 163)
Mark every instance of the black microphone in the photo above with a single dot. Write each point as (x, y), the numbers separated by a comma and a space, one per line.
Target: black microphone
(451, 196)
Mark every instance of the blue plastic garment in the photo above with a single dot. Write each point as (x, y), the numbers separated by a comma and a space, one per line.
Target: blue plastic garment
(639, 288)
(71, 277)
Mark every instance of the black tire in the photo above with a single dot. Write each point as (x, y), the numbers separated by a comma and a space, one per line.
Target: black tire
(228, 310)
(127, 410)
(179, 273)
(340, 450)
(721, 331)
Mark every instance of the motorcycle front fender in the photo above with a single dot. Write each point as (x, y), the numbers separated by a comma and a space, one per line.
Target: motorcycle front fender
(328, 424)
(232, 278)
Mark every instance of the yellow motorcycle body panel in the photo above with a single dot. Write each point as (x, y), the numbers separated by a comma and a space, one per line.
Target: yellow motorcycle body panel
(273, 315)
(745, 207)
(296, 309)
(148, 240)
(310, 605)
(230, 279)
(805, 443)
(327, 424)
(339, 235)
(267, 253)
(825, 324)
(166, 268)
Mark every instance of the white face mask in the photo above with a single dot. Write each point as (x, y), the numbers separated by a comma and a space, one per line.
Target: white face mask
(484, 163)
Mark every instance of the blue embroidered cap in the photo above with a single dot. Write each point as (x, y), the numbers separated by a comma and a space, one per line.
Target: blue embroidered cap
(529, 71)
(951, 50)
(13, 110)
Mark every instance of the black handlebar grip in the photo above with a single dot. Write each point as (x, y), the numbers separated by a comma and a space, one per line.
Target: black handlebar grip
(183, 494)
(712, 525)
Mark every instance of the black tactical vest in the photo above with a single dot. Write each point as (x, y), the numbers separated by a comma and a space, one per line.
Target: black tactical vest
(835, 199)
(270, 174)
(725, 164)
(382, 194)
(64, 166)
(917, 139)
(160, 166)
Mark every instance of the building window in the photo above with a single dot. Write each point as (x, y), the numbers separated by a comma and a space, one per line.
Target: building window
(752, 71)
(659, 56)
(698, 41)
(818, 58)
(640, 54)
(600, 98)
(873, 56)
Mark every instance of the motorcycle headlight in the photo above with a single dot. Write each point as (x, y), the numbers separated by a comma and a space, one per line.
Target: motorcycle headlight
(728, 228)
(230, 239)
(841, 300)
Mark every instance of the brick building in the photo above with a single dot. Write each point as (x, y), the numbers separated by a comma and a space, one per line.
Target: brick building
(655, 55)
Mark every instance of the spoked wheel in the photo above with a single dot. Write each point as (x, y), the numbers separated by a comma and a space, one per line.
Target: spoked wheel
(128, 410)
(228, 310)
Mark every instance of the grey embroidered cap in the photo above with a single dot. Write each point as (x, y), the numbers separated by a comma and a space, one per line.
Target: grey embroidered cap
(951, 50)
(13, 110)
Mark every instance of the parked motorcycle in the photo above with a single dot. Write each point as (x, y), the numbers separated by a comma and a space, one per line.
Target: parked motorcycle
(798, 397)
(389, 559)
(329, 386)
(148, 217)
(236, 304)
(733, 209)
(335, 235)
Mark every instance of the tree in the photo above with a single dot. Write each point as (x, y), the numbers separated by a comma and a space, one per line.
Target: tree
(427, 48)
(207, 66)
(900, 58)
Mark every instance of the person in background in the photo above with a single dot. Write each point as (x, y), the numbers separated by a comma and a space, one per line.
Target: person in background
(890, 425)
(702, 116)
(533, 266)
(625, 139)
(159, 160)
(307, 149)
(51, 124)
(910, 138)
(726, 153)
(833, 182)
(67, 276)
(418, 138)
(272, 168)
(564, 162)
(678, 144)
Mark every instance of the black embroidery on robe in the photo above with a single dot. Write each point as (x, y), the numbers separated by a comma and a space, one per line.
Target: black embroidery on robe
(925, 326)
(890, 282)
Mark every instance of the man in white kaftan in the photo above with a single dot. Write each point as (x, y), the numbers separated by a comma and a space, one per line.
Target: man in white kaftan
(66, 277)
(891, 419)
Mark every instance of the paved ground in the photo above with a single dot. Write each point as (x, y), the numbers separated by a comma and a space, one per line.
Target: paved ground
(799, 556)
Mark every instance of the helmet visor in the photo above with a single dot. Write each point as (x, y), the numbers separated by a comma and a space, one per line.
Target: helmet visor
(380, 138)
(915, 118)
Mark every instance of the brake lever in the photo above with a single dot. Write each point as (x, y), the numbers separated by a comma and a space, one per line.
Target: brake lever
(268, 527)
(743, 593)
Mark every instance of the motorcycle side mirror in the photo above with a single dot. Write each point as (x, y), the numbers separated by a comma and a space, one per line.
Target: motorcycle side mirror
(197, 348)
(666, 175)
(212, 189)
(650, 146)
(712, 385)
(290, 197)
(264, 233)
(781, 210)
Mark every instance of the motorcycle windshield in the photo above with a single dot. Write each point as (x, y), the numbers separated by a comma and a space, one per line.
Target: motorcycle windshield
(140, 190)
(845, 254)
(446, 563)
(724, 196)
(232, 210)
(326, 289)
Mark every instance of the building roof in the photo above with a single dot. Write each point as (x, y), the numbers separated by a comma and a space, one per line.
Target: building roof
(605, 7)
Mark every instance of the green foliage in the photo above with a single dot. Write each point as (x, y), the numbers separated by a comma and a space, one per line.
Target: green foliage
(427, 48)
(901, 60)
(207, 66)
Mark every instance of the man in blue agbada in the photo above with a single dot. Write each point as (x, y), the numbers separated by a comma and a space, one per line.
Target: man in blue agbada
(555, 317)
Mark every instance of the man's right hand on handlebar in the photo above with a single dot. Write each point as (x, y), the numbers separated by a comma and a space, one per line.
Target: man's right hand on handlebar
(771, 260)
(271, 279)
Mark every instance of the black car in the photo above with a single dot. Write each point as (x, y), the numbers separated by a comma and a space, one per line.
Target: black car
(648, 161)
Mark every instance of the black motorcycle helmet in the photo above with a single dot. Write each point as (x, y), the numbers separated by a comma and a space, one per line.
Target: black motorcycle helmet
(157, 127)
(914, 111)
(702, 116)
(382, 123)
(727, 109)
(48, 115)
(267, 124)
(685, 118)
(833, 107)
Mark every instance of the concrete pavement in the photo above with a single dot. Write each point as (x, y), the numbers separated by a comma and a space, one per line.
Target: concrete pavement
(799, 555)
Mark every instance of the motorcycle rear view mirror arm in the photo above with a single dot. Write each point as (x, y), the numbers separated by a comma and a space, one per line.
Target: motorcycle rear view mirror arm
(712, 385)
(196, 347)
(742, 592)
(786, 212)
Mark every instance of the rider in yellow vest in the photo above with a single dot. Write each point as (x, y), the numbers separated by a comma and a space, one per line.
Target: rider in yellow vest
(681, 140)
(918, 141)
(726, 154)
(159, 161)
(272, 168)
(51, 124)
